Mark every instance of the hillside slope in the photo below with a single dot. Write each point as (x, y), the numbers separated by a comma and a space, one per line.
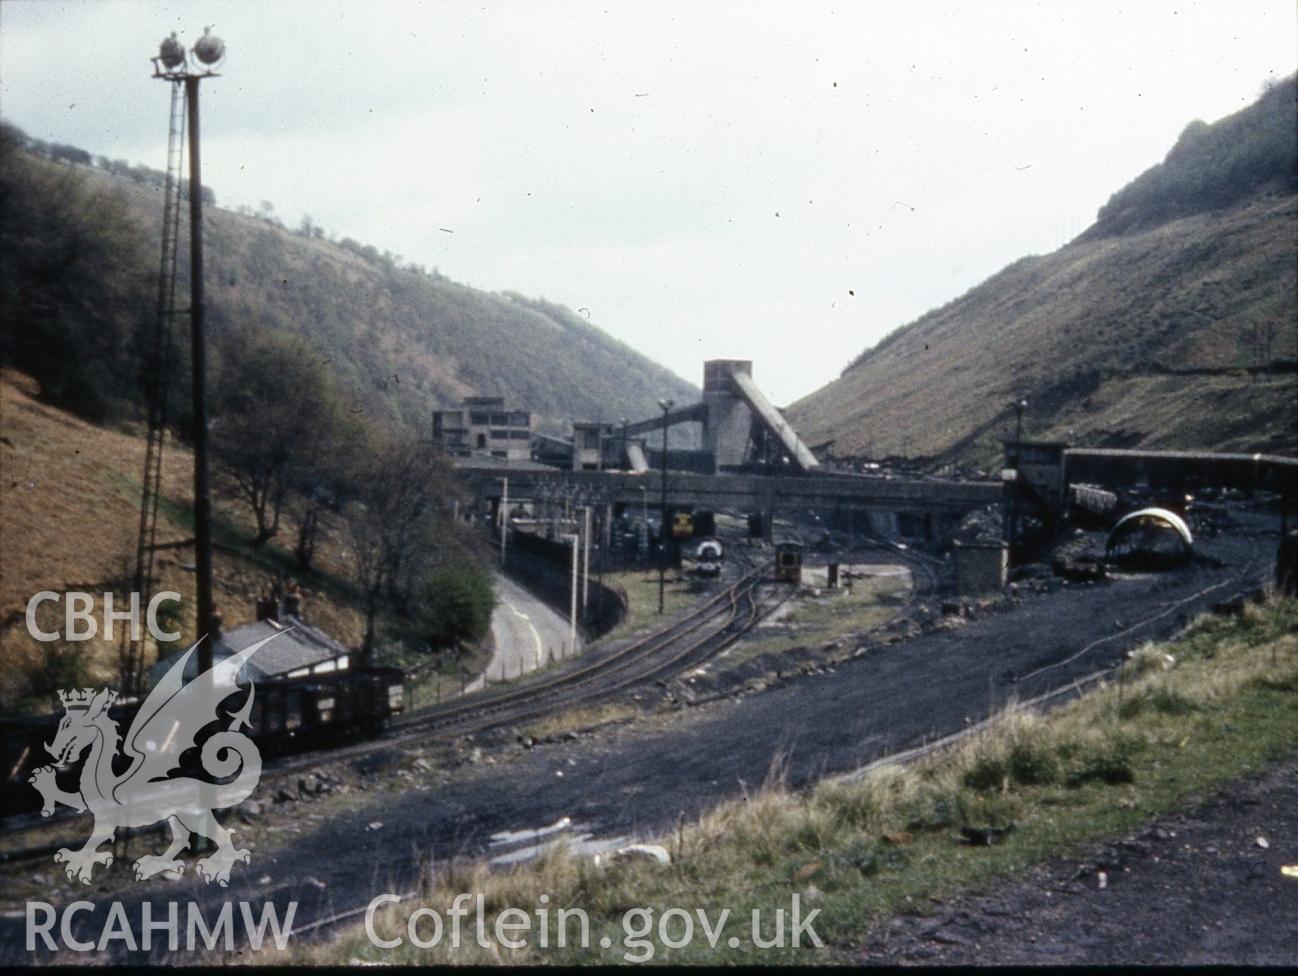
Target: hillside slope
(401, 339)
(1161, 326)
(440, 340)
(69, 510)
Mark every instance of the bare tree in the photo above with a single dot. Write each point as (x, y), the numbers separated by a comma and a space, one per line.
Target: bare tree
(394, 524)
(276, 410)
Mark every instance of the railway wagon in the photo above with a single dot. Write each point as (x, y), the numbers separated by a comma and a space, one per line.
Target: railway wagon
(788, 562)
(705, 524)
(288, 714)
(291, 713)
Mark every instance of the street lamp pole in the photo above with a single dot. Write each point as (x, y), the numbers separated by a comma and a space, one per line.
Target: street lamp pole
(575, 539)
(585, 560)
(666, 406)
(504, 517)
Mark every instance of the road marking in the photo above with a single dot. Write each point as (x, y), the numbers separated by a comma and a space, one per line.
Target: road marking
(536, 637)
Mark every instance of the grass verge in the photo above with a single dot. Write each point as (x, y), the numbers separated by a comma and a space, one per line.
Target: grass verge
(580, 719)
(641, 588)
(1180, 720)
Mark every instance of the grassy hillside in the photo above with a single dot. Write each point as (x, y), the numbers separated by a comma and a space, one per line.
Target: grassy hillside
(400, 339)
(69, 511)
(1161, 326)
(69, 507)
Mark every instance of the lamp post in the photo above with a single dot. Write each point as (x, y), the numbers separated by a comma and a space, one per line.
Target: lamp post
(644, 518)
(504, 517)
(585, 560)
(575, 540)
(665, 406)
(171, 64)
(1019, 406)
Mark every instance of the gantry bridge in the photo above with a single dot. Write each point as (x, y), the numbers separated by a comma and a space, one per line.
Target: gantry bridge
(931, 504)
(752, 461)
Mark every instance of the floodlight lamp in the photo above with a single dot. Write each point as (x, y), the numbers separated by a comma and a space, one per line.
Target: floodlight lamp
(666, 404)
(171, 52)
(209, 48)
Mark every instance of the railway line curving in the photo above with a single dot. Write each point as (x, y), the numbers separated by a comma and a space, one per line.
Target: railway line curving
(686, 642)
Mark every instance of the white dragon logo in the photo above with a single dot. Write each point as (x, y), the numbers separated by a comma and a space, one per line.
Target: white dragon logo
(167, 724)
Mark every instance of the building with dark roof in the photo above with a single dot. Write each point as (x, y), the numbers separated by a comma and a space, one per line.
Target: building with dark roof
(299, 650)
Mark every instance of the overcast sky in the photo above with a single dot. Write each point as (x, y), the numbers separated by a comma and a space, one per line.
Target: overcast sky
(780, 182)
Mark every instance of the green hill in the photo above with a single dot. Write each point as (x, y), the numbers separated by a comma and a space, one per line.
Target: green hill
(79, 294)
(1171, 323)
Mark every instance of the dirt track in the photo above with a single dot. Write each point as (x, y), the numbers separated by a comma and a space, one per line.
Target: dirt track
(888, 699)
(1194, 889)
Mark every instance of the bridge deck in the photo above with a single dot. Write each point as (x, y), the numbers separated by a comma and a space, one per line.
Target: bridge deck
(746, 493)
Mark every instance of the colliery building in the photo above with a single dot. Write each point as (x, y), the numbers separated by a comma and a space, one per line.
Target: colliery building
(483, 426)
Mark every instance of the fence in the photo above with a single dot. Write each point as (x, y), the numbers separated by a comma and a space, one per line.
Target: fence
(545, 568)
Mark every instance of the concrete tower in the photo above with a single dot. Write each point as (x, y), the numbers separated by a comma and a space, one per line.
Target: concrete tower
(729, 419)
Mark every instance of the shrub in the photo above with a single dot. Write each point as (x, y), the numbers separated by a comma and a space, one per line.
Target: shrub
(1015, 751)
(1111, 761)
(457, 604)
(1161, 699)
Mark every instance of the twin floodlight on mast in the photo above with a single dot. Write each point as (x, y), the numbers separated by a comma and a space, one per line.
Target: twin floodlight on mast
(171, 60)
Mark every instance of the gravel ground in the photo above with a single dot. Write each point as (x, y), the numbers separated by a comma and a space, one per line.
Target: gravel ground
(1199, 888)
(632, 782)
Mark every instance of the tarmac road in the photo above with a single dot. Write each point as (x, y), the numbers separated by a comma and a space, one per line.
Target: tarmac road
(526, 631)
(891, 698)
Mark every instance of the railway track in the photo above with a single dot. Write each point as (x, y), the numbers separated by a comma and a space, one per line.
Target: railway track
(686, 642)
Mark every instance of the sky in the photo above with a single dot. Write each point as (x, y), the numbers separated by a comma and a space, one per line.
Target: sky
(781, 182)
